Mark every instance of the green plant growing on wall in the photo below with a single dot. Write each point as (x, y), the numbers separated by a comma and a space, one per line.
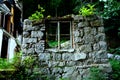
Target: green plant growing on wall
(38, 15)
(87, 10)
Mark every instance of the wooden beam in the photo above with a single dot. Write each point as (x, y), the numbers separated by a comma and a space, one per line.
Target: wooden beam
(58, 35)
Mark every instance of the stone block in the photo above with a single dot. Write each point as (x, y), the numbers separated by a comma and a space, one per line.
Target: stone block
(39, 47)
(101, 30)
(100, 37)
(35, 34)
(26, 34)
(44, 56)
(85, 48)
(103, 45)
(67, 56)
(80, 56)
(29, 40)
(95, 23)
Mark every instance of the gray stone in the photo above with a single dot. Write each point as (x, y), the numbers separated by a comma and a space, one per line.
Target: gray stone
(77, 17)
(89, 39)
(76, 33)
(81, 32)
(30, 51)
(44, 56)
(103, 45)
(102, 54)
(57, 70)
(81, 24)
(67, 56)
(29, 40)
(56, 56)
(93, 31)
(39, 47)
(87, 30)
(27, 22)
(80, 56)
(96, 47)
(101, 29)
(53, 63)
(70, 63)
(28, 28)
(61, 64)
(85, 48)
(26, 34)
(37, 34)
(100, 37)
(95, 23)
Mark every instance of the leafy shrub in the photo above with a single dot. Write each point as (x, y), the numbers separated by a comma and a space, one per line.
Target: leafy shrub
(38, 15)
(116, 69)
(87, 10)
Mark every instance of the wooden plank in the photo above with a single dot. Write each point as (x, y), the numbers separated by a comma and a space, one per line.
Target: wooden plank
(58, 35)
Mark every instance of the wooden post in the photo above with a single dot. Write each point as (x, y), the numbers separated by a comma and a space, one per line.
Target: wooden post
(58, 25)
(71, 34)
(12, 19)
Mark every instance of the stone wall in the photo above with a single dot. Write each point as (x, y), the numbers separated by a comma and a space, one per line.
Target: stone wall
(89, 49)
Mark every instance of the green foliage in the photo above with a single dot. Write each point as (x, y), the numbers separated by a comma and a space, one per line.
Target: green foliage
(87, 10)
(5, 64)
(96, 74)
(110, 9)
(38, 15)
(27, 69)
(114, 50)
(116, 69)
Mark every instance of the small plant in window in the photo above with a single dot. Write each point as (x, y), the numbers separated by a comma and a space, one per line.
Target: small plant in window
(38, 15)
(87, 10)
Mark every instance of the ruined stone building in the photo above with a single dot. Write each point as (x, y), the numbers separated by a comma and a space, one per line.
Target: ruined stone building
(67, 47)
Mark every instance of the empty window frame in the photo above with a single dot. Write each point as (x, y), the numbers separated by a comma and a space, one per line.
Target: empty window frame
(59, 34)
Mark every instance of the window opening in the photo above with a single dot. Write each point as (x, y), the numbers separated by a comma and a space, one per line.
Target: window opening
(58, 34)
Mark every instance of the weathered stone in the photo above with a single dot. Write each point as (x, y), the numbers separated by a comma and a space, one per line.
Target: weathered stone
(96, 47)
(37, 34)
(70, 63)
(93, 31)
(28, 28)
(67, 56)
(24, 46)
(77, 17)
(61, 64)
(87, 30)
(30, 51)
(89, 39)
(81, 24)
(76, 33)
(81, 32)
(78, 40)
(102, 54)
(101, 29)
(53, 63)
(27, 22)
(29, 40)
(95, 23)
(80, 56)
(56, 56)
(103, 45)
(57, 70)
(100, 37)
(39, 47)
(26, 34)
(44, 56)
(85, 48)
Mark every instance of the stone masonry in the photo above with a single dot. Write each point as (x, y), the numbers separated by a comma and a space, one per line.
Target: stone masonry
(90, 48)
